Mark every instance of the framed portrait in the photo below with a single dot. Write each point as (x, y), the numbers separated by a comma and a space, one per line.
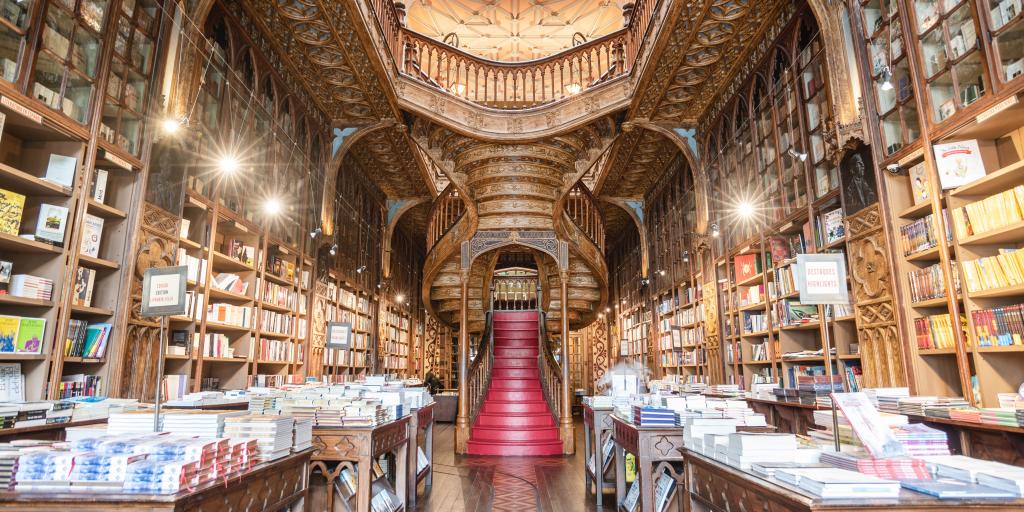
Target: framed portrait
(857, 174)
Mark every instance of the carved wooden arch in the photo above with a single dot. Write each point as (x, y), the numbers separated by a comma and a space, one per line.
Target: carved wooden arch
(634, 208)
(334, 169)
(396, 209)
(487, 241)
(697, 171)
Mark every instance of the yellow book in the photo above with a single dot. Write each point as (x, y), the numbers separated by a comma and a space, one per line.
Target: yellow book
(12, 206)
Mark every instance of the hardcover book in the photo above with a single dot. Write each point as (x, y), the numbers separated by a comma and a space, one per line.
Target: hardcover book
(61, 170)
(8, 333)
(919, 183)
(52, 223)
(958, 163)
(99, 185)
(832, 224)
(92, 233)
(84, 280)
(746, 266)
(12, 206)
(30, 335)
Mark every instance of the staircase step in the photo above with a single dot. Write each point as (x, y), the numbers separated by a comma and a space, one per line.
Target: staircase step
(489, 434)
(497, 407)
(515, 373)
(501, 351)
(515, 362)
(515, 315)
(515, 342)
(515, 420)
(515, 384)
(519, 449)
(513, 395)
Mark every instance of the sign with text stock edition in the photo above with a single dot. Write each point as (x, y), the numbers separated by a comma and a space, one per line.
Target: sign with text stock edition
(821, 278)
(163, 291)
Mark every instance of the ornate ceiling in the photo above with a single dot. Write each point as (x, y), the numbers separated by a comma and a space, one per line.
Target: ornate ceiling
(639, 159)
(515, 30)
(389, 162)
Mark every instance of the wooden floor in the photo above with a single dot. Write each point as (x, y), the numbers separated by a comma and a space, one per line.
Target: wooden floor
(505, 484)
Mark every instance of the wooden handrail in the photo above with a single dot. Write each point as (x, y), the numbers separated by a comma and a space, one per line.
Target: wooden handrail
(514, 85)
(550, 371)
(581, 207)
(447, 209)
(479, 375)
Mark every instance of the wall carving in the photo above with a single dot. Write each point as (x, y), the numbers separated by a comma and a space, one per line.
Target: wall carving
(712, 338)
(599, 349)
(544, 241)
(882, 352)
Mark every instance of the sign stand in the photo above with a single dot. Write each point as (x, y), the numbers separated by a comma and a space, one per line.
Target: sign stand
(821, 279)
(163, 295)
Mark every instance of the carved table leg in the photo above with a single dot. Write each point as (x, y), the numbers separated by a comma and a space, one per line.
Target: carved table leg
(620, 475)
(646, 486)
(365, 481)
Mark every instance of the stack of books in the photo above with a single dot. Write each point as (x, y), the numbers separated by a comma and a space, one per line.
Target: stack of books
(887, 399)
(197, 423)
(724, 389)
(968, 414)
(696, 429)
(1002, 417)
(896, 468)
(302, 434)
(833, 483)
(647, 416)
(8, 466)
(992, 474)
(30, 287)
(917, 405)
(273, 434)
(132, 422)
(815, 389)
(920, 440)
(158, 477)
(599, 402)
(746, 449)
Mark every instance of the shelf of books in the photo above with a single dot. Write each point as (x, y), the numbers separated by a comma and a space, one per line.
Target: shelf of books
(681, 331)
(355, 307)
(395, 338)
(636, 332)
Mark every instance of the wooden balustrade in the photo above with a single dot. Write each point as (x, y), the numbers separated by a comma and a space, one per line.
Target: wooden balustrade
(550, 372)
(479, 375)
(581, 206)
(514, 293)
(514, 85)
(448, 208)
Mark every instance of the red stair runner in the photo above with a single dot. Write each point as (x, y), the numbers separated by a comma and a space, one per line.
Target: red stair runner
(515, 419)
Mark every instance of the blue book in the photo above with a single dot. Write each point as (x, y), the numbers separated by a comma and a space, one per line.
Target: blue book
(949, 489)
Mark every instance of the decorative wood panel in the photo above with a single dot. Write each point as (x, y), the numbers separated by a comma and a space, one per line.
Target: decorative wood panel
(882, 352)
(712, 338)
(599, 349)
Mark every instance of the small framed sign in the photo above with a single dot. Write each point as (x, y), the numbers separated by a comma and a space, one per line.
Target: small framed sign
(339, 335)
(163, 291)
(821, 278)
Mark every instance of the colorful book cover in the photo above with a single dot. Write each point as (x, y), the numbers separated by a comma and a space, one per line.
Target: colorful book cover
(958, 163)
(95, 340)
(12, 206)
(832, 223)
(779, 249)
(92, 233)
(8, 332)
(30, 335)
(746, 266)
(84, 281)
(52, 223)
(920, 185)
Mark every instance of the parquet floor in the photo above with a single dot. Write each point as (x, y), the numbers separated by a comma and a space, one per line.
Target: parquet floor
(505, 484)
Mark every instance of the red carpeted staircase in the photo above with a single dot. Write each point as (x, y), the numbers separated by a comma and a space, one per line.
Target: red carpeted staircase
(515, 419)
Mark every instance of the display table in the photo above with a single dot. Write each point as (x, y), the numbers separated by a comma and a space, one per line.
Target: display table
(51, 432)
(723, 488)
(596, 421)
(356, 449)
(447, 407)
(421, 420)
(656, 450)
(279, 485)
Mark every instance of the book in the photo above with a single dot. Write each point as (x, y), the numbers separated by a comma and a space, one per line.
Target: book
(12, 386)
(30, 335)
(958, 163)
(99, 185)
(947, 488)
(12, 207)
(61, 170)
(6, 267)
(51, 224)
(832, 225)
(96, 336)
(920, 184)
(84, 281)
(746, 266)
(92, 233)
(8, 333)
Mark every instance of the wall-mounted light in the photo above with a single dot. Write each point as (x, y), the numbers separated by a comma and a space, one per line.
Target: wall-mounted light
(886, 79)
(171, 126)
(796, 154)
(715, 232)
(661, 272)
(361, 269)
(315, 233)
(686, 256)
(272, 206)
(334, 250)
(399, 298)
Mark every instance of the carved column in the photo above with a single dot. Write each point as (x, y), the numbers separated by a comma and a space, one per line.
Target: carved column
(462, 421)
(565, 415)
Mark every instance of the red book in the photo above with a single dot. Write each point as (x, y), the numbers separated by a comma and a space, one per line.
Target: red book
(746, 267)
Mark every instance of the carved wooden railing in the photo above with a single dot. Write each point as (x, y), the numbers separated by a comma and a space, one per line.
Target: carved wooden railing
(514, 293)
(550, 371)
(447, 209)
(581, 206)
(514, 85)
(479, 375)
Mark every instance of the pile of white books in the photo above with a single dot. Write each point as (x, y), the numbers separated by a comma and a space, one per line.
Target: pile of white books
(302, 434)
(599, 401)
(831, 483)
(197, 423)
(887, 399)
(273, 434)
(746, 449)
(694, 430)
(988, 473)
(131, 422)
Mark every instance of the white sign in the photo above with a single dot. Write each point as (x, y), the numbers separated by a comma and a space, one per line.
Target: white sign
(163, 291)
(821, 279)
(339, 335)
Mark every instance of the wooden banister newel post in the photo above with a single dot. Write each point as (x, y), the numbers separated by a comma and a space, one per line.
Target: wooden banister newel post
(565, 415)
(462, 420)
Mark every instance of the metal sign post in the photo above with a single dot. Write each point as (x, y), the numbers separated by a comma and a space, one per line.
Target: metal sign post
(163, 295)
(821, 279)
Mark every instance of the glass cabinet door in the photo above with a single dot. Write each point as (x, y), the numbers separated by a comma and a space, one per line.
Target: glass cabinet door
(14, 25)
(1005, 21)
(953, 63)
(890, 75)
(69, 56)
(127, 95)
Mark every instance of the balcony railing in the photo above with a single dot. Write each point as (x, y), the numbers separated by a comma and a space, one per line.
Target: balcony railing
(448, 208)
(514, 85)
(514, 293)
(581, 207)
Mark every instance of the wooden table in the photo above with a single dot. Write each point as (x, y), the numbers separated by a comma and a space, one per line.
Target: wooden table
(656, 450)
(355, 449)
(51, 432)
(282, 484)
(723, 488)
(421, 419)
(596, 421)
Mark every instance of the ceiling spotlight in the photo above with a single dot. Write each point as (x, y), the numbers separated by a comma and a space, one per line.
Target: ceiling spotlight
(315, 233)
(273, 206)
(715, 232)
(796, 154)
(399, 298)
(334, 250)
(361, 269)
(686, 256)
(228, 164)
(171, 126)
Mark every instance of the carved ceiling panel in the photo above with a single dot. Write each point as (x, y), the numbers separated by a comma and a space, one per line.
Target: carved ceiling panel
(708, 43)
(639, 160)
(414, 222)
(389, 162)
(515, 30)
(616, 221)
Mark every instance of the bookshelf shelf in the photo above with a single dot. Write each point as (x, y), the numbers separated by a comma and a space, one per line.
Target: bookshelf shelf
(10, 300)
(1007, 234)
(1002, 349)
(936, 351)
(228, 360)
(26, 183)
(753, 280)
(91, 310)
(1005, 178)
(84, 360)
(1009, 291)
(916, 211)
(216, 326)
(927, 255)
(278, 280)
(16, 243)
(274, 307)
(22, 357)
(189, 244)
(226, 295)
(224, 263)
(104, 210)
(275, 335)
(752, 307)
(930, 303)
(98, 263)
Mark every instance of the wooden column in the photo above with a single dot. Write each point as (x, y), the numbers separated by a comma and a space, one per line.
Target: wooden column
(462, 420)
(565, 415)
